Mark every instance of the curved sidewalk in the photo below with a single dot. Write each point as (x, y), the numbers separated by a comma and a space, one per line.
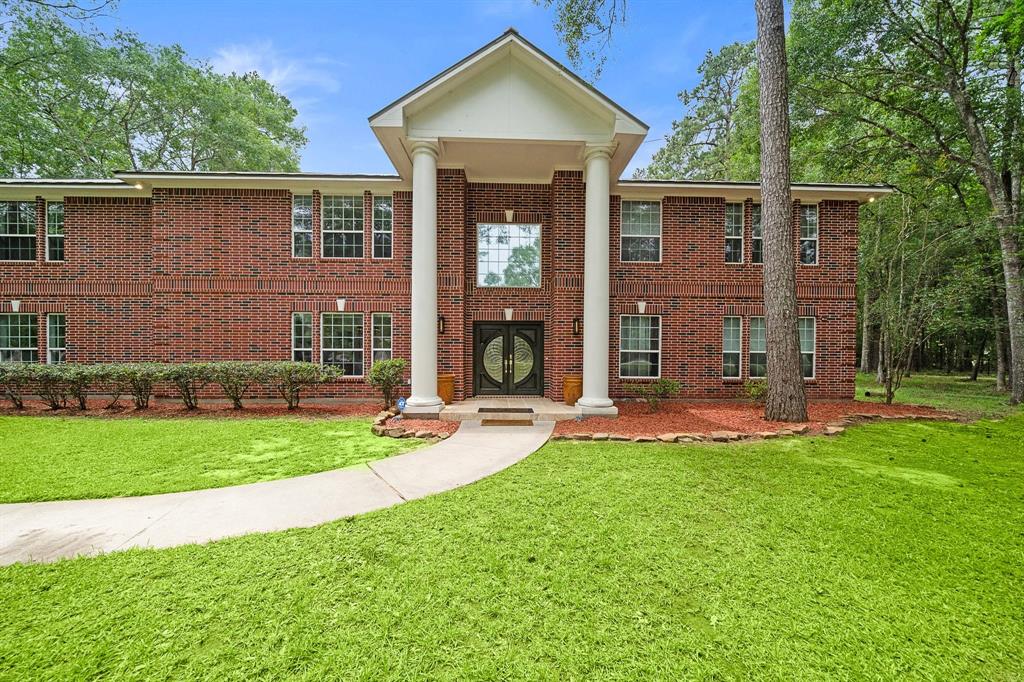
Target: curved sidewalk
(47, 531)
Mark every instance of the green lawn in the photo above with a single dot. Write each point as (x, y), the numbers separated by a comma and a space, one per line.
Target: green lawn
(894, 550)
(944, 391)
(56, 458)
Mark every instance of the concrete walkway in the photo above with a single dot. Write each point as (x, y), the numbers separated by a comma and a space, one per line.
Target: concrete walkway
(46, 531)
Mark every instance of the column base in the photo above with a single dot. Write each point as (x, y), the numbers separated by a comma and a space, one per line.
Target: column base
(423, 408)
(594, 402)
(611, 411)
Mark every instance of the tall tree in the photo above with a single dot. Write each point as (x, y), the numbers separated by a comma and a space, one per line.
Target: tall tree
(786, 399)
(701, 143)
(585, 27)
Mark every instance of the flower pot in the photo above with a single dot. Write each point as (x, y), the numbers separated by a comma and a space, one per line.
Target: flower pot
(446, 388)
(572, 389)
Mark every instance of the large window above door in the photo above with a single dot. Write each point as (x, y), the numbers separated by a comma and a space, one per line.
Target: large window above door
(507, 255)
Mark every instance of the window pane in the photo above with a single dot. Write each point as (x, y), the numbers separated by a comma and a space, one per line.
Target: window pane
(756, 252)
(382, 226)
(343, 227)
(19, 338)
(646, 249)
(639, 346)
(808, 251)
(734, 220)
(302, 337)
(381, 336)
(55, 248)
(55, 218)
(508, 255)
(731, 330)
(808, 222)
(17, 230)
(56, 333)
(641, 231)
(342, 342)
(302, 226)
(755, 219)
(806, 326)
(758, 348)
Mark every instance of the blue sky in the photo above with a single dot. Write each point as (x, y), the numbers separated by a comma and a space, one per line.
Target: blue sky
(341, 61)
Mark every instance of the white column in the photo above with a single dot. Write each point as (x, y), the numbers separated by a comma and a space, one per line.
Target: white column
(595, 283)
(424, 398)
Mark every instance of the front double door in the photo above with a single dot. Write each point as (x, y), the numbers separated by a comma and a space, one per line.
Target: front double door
(508, 358)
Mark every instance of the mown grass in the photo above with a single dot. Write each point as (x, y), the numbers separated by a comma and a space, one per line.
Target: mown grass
(892, 551)
(944, 391)
(55, 458)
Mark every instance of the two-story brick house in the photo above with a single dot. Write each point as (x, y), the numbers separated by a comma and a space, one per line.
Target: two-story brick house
(503, 252)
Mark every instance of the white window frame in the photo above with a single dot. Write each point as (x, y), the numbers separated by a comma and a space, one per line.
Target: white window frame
(296, 230)
(815, 239)
(362, 342)
(55, 235)
(739, 352)
(623, 236)
(345, 228)
(50, 348)
(725, 231)
(34, 235)
(656, 352)
(750, 346)
(295, 348)
(540, 257)
(19, 349)
(814, 347)
(390, 231)
(374, 349)
(753, 238)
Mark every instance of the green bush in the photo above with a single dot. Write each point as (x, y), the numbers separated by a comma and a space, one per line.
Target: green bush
(188, 378)
(14, 376)
(138, 378)
(50, 382)
(289, 378)
(387, 375)
(756, 389)
(108, 376)
(236, 378)
(654, 392)
(79, 379)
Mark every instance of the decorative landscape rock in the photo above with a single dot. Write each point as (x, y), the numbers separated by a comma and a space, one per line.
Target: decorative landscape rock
(619, 438)
(833, 430)
(668, 437)
(644, 439)
(600, 436)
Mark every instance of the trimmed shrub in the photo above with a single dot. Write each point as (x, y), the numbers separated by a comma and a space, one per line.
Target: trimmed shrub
(110, 377)
(50, 382)
(387, 375)
(289, 378)
(14, 377)
(654, 392)
(188, 378)
(79, 379)
(235, 378)
(756, 389)
(138, 379)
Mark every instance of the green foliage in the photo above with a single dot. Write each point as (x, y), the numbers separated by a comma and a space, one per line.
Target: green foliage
(13, 379)
(387, 375)
(585, 27)
(653, 392)
(138, 379)
(756, 389)
(79, 103)
(49, 382)
(236, 378)
(78, 380)
(290, 378)
(188, 378)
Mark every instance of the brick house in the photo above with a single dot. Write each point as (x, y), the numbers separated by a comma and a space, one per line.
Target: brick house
(503, 252)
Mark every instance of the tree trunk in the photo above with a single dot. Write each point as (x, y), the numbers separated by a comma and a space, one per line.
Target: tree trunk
(786, 400)
(865, 335)
(999, 341)
(880, 369)
(979, 359)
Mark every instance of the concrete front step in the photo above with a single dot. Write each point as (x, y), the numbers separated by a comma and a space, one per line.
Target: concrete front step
(544, 410)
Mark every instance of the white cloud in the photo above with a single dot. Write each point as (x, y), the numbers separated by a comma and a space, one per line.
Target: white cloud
(288, 73)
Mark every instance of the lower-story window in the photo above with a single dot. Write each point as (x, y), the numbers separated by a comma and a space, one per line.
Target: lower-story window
(302, 337)
(341, 342)
(758, 349)
(381, 348)
(56, 338)
(19, 338)
(808, 332)
(732, 344)
(639, 346)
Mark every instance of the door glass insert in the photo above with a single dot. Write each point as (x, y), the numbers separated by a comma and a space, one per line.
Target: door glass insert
(523, 359)
(494, 358)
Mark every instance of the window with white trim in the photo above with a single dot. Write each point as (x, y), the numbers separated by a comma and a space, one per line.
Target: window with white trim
(732, 346)
(302, 337)
(733, 233)
(508, 255)
(808, 340)
(17, 230)
(55, 231)
(383, 226)
(758, 349)
(809, 234)
(56, 338)
(756, 236)
(19, 338)
(342, 227)
(640, 238)
(341, 342)
(640, 346)
(302, 226)
(380, 346)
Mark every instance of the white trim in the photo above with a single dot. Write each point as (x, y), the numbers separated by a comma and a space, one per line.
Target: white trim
(814, 347)
(373, 227)
(360, 231)
(311, 231)
(362, 342)
(311, 327)
(14, 235)
(32, 349)
(46, 231)
(657, 352)
(540, 259)
(391, 336)
(739, 359)
(816, 240)
(49, 348)
(661, 230)
(743, 228)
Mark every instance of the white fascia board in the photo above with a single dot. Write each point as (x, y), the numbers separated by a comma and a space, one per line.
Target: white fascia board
(739, 191)
(295, 182)
(55, 189)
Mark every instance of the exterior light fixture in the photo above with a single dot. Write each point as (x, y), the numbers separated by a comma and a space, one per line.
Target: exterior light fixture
(15, 305)
(440, 324)
(341, 304)
(509, 215)
(871, 200)
(577, 326)
(641, 307)
(138, 185)
(508, 313)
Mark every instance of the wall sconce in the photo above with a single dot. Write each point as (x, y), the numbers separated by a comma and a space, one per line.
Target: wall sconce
(509, 215)
(341, 304)
(440, 324)
(577, 326)
(641, 307)
(508, 313)
(15, 305)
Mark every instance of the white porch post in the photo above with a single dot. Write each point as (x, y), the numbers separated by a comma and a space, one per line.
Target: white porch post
(595, 283)
(424, 398)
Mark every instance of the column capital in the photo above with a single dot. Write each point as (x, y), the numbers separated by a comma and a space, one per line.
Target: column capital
(430, 147)
(605, 149)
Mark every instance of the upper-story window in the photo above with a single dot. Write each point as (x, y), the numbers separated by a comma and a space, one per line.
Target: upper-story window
(734, 233)
(19, 338)
(507, 255)
(17, 230)
(809, 234)
(342, 227)
(55, 231)
(383, 224)
(640, 239)
(56, 338)
(756, 236)
(302, 226)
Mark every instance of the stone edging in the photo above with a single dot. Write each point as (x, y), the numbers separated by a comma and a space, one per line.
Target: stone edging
(381, 428)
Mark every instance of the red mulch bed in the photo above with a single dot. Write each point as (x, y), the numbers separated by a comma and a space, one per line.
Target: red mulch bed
(435, 426)
(705, 417)
(172, 409)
